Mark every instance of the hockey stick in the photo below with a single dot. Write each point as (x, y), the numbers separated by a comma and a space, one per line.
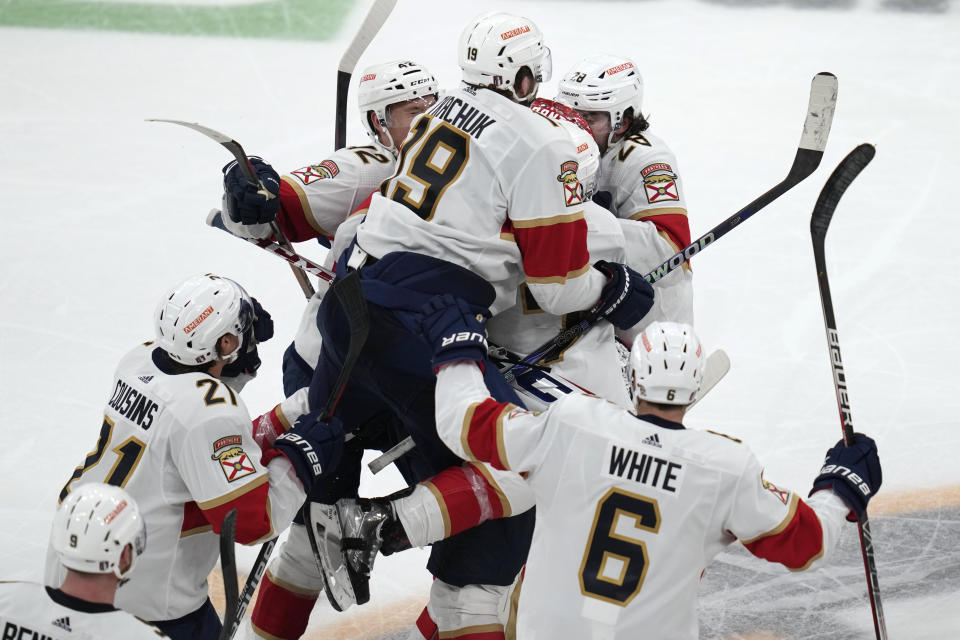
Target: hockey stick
(350, 295)
(228, 570)
(377, 15)
(215, 220)
(816, 130)
(716, 367)
(243, 162)
(836, 185)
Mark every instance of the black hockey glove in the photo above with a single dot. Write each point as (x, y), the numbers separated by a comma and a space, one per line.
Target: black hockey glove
(247, 203)
(454, 329)
(312, 447)
(262, 322)
(853, 473)
(626, 298)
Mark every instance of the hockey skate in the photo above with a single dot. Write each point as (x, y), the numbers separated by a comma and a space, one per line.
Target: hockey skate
(346, 539)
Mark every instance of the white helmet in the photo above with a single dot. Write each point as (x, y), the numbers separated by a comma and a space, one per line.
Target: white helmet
(588, 153)
(603, 83)
(382, 85)
(193, 316)
(93, 526)
(666, 364)
(495, 46)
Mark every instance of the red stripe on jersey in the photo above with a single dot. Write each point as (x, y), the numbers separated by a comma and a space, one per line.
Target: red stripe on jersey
(795, 544)
(426, 626)
(279, 612)
(292, 218)
(675, 225)
(554, 248)
(467, 497)
(253, 513)
(193, 520)
(482, 434)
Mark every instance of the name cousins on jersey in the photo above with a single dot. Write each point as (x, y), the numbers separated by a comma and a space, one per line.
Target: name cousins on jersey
(133, 405)
(468, 119)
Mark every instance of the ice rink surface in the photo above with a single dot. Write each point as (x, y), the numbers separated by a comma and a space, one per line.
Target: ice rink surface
(103, 211)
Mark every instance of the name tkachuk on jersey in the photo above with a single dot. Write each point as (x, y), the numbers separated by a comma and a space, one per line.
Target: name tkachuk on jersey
(185, 451)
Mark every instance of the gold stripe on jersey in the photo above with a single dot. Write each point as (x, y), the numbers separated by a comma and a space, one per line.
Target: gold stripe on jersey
(509, 237)
(576, 273)
(465, 430)
(791, 511)
(283, 419)
(547, 222)
(443, 506)
(475, 629)
(192, 532)
(658, 211)
(233, 495)
(289, 586)
(305, 205)
(504, 502)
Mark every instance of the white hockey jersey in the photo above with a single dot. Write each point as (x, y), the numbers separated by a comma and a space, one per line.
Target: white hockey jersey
(491, 186)
(630, 510)
(640, 174)
(182, 446)
(32, 611)
(591, 361)
(316, 199)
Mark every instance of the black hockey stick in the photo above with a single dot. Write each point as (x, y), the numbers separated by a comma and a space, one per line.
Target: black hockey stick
(243, 162)
(377, 15)
(836, 185)
(816, 130)
(228, 570)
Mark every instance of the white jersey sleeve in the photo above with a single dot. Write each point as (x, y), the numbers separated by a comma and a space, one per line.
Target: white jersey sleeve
(32, 611)
(484, 183)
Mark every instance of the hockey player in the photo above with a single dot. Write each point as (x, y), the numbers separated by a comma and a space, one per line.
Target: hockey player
(478, 202)
(315, 201)
(178, 438)
(98, 535)
(632, 506)
(640, 181)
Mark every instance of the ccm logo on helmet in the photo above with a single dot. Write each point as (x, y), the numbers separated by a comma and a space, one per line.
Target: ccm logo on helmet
(196, 321)
(506, 35)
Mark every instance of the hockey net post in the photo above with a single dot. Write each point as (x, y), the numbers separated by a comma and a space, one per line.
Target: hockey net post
(841, 178)
(816, 130)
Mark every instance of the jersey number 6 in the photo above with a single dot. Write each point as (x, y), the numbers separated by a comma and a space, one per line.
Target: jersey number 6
(615, 562)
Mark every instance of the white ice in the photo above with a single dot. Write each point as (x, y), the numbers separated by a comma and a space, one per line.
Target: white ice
(102, 211)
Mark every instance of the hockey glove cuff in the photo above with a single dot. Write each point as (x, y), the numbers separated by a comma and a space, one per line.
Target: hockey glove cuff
(853, 472)
(313, 447)
(454, 329)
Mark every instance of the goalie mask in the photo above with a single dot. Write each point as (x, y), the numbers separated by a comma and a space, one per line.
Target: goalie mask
(495, 46)
(383, 85)
(193, 316)
(605, 83)
(666, 364)
(93, 526)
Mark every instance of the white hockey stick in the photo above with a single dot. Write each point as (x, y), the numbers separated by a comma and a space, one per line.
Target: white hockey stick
(716, 367)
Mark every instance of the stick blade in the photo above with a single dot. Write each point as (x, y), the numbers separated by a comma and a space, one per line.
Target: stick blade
(845, 173)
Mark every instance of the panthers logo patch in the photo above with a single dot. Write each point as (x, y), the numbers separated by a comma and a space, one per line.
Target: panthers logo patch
(660, 183)
(572, 189)
(325, 170)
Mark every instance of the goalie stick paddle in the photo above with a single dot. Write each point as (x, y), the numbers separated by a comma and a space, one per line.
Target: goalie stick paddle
(228, 570)
(243, 162)
(816, 130)
(379, 11)
(836, 185)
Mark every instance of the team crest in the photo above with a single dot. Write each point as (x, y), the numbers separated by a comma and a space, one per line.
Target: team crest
(324, 170)
(234, 462)
(660, 183)
(572, 189)
(781, 494)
